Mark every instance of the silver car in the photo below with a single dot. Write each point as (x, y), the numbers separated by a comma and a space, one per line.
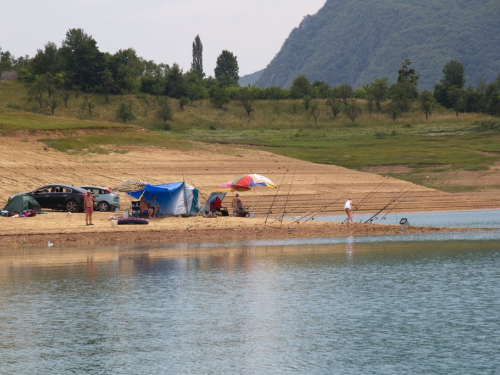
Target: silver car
(105, 199)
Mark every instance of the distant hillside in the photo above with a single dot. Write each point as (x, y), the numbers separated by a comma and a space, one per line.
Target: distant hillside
(250, 79)
(357, 41)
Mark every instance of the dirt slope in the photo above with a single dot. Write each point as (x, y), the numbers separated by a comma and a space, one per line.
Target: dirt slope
(304, 186)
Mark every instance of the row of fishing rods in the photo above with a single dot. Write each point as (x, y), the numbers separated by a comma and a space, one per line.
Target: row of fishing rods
(390, 206)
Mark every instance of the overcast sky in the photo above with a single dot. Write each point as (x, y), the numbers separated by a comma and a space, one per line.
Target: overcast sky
(159, 30)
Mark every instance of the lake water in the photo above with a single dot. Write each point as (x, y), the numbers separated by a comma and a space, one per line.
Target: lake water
(447, 219)
(372, 305)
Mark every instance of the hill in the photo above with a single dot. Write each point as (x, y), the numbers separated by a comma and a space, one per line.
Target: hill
(357, 41)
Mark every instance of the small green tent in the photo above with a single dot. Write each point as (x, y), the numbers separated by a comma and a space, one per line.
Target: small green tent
(22, 203)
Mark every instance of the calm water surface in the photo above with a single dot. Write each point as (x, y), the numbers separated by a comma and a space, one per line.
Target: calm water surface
(447, 219)
(385, 307)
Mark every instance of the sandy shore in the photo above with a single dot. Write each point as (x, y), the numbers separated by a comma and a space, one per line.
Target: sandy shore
(61, 230)
(303, 187)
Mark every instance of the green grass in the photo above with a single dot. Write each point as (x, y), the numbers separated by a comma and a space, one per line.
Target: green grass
(443, 143)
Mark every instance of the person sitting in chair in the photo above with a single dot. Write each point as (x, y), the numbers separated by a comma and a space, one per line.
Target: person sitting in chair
(238, 209)
(154, 205)
(216, 205)
(145, 210)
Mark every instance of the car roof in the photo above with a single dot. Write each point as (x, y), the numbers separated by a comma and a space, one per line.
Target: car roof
(61, 185)
(94, 187)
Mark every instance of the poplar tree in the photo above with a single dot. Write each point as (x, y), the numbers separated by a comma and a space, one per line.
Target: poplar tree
(197, 64)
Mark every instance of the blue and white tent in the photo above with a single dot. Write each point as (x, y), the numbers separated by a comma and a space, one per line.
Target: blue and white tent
(175, 199)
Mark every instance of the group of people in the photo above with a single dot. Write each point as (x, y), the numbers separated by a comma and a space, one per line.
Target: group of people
(150, 209)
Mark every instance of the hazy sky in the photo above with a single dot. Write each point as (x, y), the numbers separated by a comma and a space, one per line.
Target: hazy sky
(159, 30)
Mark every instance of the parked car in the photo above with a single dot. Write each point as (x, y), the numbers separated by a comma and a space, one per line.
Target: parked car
(106, 200)
(58, 197)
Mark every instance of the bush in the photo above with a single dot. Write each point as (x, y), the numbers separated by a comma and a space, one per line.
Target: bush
(488, 125)
(13, 106)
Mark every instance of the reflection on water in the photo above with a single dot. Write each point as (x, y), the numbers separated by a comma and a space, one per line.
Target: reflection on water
(351, 307)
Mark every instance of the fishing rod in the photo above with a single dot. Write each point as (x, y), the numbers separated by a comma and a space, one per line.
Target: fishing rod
(275, 195)
(321, 210)
(392, 200)
(288, 195)
(401, 200)
(280, 218)
(368, 196)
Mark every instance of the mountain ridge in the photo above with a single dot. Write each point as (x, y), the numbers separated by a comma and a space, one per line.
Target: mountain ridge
(358, 41)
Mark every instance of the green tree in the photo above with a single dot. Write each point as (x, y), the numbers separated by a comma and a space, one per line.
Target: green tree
(300, 87)
(334, 103)
(183, 102)
(77, 90)
(402, 95)
(219, 95)
(6, 61)
(370, 105)
(164, 111)
(36, 92)
(393, 111)
(53, 103)
(306, 101)
(275, 93)
(226, 69)
(453, 74)
(88, 105)
(197, 63)
(315, 112)
(247, 97)
(379, 90)
(125, 67)
(46, 60)
(82, 62)
(456, 98)
(345, 93)
(353, 110)
(65, 97)
(321, 89)
(426, 103)
(405, 73)
(176, 86)
(125, 112)
(107, 84)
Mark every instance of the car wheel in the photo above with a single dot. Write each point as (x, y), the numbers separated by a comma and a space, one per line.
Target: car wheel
(72, 206)
(103, 206)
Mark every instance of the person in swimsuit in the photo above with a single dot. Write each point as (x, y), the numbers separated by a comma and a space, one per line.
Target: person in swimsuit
(237, 204)
(154, 205)
(145, 210)
(88, 204)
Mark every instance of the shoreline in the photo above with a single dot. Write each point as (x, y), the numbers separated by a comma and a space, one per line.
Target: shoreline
(176, 230)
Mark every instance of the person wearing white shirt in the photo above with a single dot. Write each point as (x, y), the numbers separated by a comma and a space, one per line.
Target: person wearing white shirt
(348, 210)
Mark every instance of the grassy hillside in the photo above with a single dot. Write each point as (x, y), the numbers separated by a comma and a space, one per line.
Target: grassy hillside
(357, 41)
(411, 148)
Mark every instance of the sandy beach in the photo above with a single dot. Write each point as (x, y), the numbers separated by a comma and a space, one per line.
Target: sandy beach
(303, 188)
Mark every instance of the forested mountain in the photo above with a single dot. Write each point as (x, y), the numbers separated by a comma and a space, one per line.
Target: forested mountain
(357, 41)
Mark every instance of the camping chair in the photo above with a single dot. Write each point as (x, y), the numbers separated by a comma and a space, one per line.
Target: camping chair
(135, 209)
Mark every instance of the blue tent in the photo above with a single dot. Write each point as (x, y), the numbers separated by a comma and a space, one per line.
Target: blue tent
(175, 199)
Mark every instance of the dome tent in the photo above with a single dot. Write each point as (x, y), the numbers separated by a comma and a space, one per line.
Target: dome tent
(22, 203)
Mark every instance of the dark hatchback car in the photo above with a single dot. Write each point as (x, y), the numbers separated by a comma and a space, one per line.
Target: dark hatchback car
(58, 197)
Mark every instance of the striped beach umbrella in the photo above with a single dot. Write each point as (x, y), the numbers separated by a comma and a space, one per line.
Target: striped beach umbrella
(130, 185)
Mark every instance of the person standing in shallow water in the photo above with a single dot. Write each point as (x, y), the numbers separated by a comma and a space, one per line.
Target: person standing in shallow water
(348, 209)
(88, 204)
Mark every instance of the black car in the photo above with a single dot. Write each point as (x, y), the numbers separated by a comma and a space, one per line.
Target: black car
(58, 197)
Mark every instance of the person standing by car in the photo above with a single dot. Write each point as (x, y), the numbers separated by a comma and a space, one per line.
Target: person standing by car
(88, 204)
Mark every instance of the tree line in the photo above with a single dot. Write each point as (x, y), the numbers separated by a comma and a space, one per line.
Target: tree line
(78, 65)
